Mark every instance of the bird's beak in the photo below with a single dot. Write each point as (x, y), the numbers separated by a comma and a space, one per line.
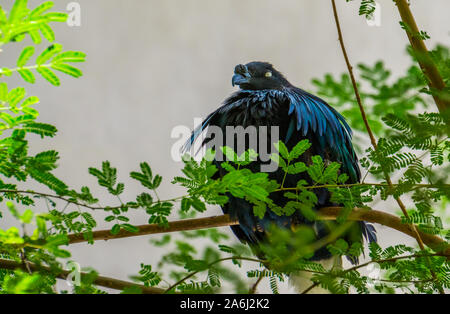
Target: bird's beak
(239, 79)
(241, 75)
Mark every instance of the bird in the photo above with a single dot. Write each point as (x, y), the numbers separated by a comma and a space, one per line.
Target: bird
(265, 98)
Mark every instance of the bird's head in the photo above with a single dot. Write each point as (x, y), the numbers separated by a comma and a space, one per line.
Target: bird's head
(258, 75)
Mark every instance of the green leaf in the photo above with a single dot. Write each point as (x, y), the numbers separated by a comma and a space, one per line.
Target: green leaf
(27, 75)
(185, 204)
(230, 154)
(12, 209)
(331, 172)
(49, 180)
(57, 240)
(73, 215)
(30, 101)
(299, 149)
(157, 181)
(146, 177)
(15, 96)
(282, 149)
(26, 54)
(70, 56)
(48, 53)
(47, 32)
(129, 228)
(45, 161)
(296, 168)
(315, 171)
(42, 129)
(118, 190)
(35, 36)
(115, 229)
(56, 17)
(123, 218)
(259, 209)
(227, 249)
(198, 205)
(18, 10)
(256, 192)
(3, 18)
(3, 91)
(67, 69)
(196, 265)
(49, 76)
(343, 178)
(340, 247)
(6, 72)
(89, 219)
(41, 9)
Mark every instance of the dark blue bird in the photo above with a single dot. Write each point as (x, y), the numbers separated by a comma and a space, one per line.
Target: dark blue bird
(266, 98)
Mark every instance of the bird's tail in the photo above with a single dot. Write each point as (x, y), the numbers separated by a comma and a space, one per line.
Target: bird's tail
(301, 280)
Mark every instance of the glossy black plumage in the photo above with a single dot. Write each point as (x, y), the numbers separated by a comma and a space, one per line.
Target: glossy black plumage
(267, 99)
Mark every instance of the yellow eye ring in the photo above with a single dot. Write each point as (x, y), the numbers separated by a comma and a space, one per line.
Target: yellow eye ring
(268, 74)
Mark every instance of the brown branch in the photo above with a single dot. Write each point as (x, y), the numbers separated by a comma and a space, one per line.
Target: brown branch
(434, 78)
(180, 225)
(326, 213)
(255, 285)
(100, 280)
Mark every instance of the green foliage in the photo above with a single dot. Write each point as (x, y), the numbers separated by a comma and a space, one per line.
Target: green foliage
(414, 148)
(148, 277)
(107, 177)
(22, 21)
(378, 94)
(367, 8)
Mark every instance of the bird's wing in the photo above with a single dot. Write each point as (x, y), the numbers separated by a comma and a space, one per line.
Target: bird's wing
(232, 101)
(312, 115)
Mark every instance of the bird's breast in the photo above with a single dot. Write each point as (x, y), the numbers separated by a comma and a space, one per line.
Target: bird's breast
(255, 108)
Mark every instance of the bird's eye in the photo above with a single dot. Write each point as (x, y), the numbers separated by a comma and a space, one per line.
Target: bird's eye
(268, 74)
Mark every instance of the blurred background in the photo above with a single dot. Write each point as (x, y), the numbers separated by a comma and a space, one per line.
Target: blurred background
(153, 65)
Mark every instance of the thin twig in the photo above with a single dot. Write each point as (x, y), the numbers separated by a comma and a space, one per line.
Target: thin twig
(315, 284)
(255, 285)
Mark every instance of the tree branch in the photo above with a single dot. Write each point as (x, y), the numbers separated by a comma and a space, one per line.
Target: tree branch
(326, 213)
(174, 226)
(434, 78)
(100, 280)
